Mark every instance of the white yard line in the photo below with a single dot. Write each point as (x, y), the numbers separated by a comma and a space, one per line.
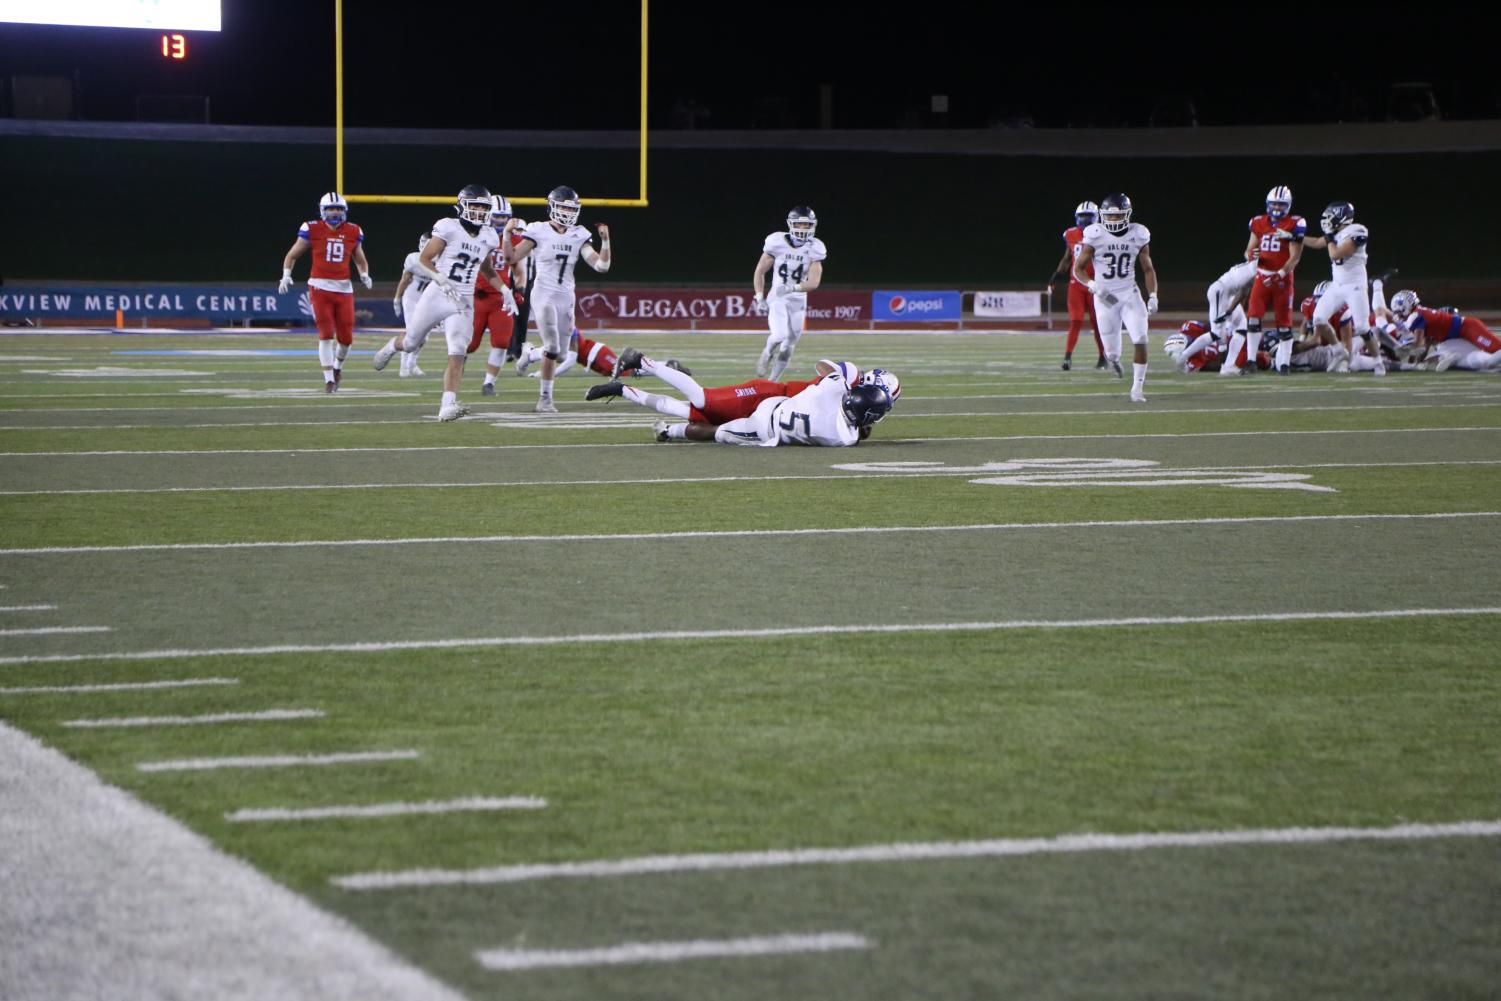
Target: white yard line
(998, 848)
(999, 526)
(54, 630)
(859, 629)
(265, 715)
(471, 804)
(629, 953)
(200, 427)
(122, 687)
(106, 897)
(668, 480)
(276, 761)
(509, 448)
(28, 608)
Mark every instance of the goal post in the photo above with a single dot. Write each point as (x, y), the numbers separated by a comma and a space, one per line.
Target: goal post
(639, 201)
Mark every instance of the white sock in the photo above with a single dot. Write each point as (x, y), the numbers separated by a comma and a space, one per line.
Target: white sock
(1237, 341)
(407, 360)
(1378, 296)
(1284, 352)
(1138, 376)
(450, 398)
(326, 354)
(1253, 345)
(545, 392)
(677, 432)
(656, 401)
(341, 351)
(496, 360)
(684, 384)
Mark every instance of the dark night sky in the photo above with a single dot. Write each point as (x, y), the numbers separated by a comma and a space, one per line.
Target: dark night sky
(574, 66)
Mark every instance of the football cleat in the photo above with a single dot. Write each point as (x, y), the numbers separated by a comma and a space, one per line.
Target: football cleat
(452, 412)
(1115, 366)
(546, 407)
(523, 363)
(629, 361)
(604, 389)
(1101, 363)
(384, 355)
(673, 363)
(329, 387)
(659, 430)
(488, 389)
(1137, 396)
(338, 376)
(1067, 364)
(1386, 276)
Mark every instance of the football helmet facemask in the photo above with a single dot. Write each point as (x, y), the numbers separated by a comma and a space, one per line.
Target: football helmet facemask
(1279, 202)
(1115, 213)
(333, 209)
(865, 405)
(563, 205)
(473, 204)
(1404, 302)
(801, 224)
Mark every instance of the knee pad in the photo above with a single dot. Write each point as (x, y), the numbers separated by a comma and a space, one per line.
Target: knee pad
(552, 355)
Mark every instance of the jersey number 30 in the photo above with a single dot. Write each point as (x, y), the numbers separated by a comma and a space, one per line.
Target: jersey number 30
(1116, 265)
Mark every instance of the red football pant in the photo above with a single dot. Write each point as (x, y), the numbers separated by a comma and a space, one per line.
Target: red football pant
(1080, 305)
(1271, 293)
(1479, 334)
(334, 314)
(489, 311)
(597, 356)
(723, 404)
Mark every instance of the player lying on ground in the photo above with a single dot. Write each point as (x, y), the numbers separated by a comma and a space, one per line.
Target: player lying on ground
(597, 357)
(1458, 341)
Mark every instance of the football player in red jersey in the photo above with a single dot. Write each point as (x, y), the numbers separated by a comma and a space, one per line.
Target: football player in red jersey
(1276, 245)
(496, 308)
(708, 407)
(335, 242)
(1080, 302)
(1195, 349)
(596, 356)
(1459, 341)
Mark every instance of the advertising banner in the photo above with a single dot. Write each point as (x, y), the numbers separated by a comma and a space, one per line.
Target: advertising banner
(240, 302)
(1008, 303)
(705, 307)
(916, 306)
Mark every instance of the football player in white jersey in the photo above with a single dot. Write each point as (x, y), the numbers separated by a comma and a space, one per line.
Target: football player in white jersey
(830, 413)
(1227, 312)
(556, 246)
(1117, 246)
(795, 260)
(1346, 241)
(408, 290)
(457, 250)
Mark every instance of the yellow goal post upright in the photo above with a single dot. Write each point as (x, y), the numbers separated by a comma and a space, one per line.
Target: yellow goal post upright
(638, 202)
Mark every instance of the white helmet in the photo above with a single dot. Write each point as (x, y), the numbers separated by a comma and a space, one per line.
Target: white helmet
(801, 224)
(1404, 302)
(1086, 208)
(563, 205)
(1320, 288)
(887, 380)
(332, 208)
(500, 212)
(1279, 201)
(1174, 343)
(473, 204)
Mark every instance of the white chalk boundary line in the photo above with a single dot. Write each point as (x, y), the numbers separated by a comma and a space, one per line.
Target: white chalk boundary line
(630, 953)
(748, 533)
(276, 761)
(122, 687)
(998, 848)
(716, 634)
(106, 897)
(937, 471)
(54, 630)
(610, 445)
(470, 804)
(28, 608)
(266, 715)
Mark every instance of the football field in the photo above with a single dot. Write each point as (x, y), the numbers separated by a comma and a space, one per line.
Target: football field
(1036, 694)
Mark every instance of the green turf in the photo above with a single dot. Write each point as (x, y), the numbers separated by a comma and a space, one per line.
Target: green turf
(653, 746)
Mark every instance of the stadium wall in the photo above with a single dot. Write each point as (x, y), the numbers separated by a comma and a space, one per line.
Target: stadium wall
(91, 202)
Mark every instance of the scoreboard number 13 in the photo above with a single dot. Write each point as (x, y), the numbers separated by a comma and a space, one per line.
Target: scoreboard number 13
(174, 47)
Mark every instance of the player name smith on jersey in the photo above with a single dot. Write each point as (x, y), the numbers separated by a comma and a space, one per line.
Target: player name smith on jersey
(1115, 254)
(463, 252)
(792, 263)
(556, 254)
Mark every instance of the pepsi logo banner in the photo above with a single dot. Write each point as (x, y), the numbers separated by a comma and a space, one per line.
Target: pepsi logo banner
(916, 306)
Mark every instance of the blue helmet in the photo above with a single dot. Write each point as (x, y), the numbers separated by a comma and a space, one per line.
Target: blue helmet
(864, 405)
(1337, 215)
(1115, 213)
